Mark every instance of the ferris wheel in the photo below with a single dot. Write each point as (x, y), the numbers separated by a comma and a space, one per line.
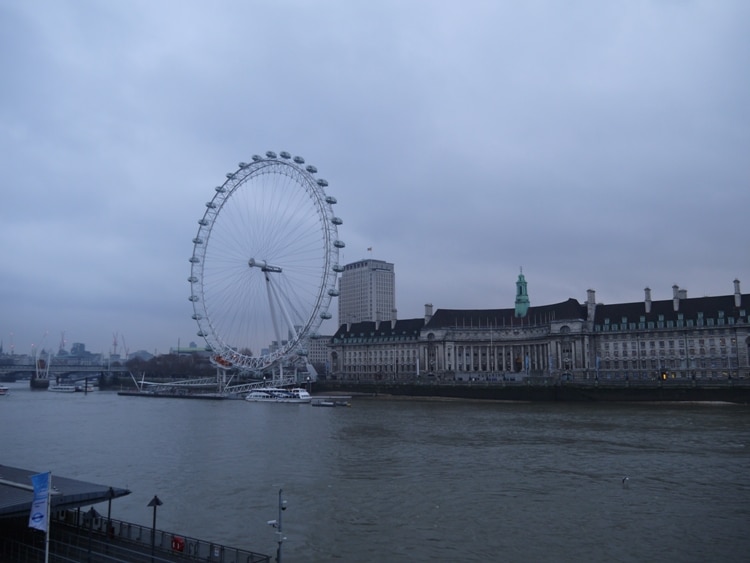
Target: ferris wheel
(265, 262)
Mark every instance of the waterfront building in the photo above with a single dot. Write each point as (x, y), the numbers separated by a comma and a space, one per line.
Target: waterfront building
(319, 353)
(367, 292)
(677, 338)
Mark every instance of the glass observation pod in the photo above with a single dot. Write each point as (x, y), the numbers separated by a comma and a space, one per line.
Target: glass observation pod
(193, 279)
(201, 334)
(210, 205)
(194, 298)
(302, 352)
(330, 199)
(257, 157)
(299, 160)
(220, 189)
(203, 222)
(334, 292)
(336, 221)
(337, 268)
(197, 240)
(339, 244)
(243, 165)
(284, 154)
(325, 315)
(230, 175)
(197, 317)
(195, 260)
(311, 169)
(270, 154)
(323, 183)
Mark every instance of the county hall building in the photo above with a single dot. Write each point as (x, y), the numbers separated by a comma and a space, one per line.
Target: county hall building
(680, 338)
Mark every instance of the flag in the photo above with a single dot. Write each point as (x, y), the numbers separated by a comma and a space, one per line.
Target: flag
(369, 249)
(40, 504)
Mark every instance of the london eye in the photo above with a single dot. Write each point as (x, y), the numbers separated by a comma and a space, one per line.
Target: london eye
(265, 262)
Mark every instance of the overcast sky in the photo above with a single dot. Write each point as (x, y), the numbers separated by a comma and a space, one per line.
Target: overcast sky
(596, 144)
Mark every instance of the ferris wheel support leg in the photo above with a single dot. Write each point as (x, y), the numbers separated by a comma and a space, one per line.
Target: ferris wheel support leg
(269, 290)
(284, 311)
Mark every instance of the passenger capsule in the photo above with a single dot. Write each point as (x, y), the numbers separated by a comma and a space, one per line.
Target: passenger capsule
(330, 199)
(322, 183)
(270, 154)
(299, 160)
(311, 169)
(339, 244)
(336, 220)
(284, 154)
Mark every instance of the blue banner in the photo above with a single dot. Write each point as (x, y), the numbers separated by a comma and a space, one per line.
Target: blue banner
(40, 504)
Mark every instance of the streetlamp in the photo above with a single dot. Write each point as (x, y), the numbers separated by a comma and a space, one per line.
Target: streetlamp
(154, 502)
(277, 524)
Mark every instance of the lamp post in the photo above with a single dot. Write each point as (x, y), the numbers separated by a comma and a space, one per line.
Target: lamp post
(154, 502)
(277, 524)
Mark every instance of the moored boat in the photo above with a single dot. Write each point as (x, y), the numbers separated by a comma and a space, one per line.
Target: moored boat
(278, 395)
(4, 390)
(62, 388)
(329, 402)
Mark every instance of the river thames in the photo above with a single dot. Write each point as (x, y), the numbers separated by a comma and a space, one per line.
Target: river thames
(403, 480)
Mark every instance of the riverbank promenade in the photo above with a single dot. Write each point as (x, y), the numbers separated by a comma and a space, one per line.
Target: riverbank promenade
(88, 536)
(78, 532)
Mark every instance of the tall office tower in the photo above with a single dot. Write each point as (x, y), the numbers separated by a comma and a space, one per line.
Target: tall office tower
(367, 292)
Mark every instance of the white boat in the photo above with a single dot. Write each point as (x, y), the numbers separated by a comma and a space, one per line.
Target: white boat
(4, 390)
(278, 395)
(85, 387)
(62, 388)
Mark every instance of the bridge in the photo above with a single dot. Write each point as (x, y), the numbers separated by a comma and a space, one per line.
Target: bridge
(68, 370)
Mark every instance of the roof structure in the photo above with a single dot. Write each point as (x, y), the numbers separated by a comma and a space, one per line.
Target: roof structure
(499, 318)
(403, 329)
(16, 492)
(665, 308)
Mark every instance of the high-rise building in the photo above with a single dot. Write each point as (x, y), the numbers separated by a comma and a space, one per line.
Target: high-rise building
(367, 292)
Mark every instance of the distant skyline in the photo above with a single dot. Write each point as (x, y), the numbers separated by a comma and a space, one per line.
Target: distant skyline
(597, 145)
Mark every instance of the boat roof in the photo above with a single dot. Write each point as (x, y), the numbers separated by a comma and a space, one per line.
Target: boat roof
(16, 492)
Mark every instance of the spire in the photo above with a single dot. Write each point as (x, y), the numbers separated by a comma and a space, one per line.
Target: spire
(522, 296)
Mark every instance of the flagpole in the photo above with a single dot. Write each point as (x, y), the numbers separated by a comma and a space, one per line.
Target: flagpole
(46, 533)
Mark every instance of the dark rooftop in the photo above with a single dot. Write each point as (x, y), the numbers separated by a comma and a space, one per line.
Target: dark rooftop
(16, 492)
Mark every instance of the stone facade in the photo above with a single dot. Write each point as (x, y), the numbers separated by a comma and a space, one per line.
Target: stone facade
(679, 338)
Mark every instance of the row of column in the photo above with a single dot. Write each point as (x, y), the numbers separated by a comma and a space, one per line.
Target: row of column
(498, 358)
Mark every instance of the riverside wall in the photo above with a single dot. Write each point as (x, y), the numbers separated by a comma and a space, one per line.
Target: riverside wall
(665, 391)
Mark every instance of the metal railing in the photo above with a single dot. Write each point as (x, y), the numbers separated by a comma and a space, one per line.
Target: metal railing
(76, 536)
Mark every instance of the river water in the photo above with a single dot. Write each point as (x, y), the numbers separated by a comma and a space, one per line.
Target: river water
(401, 480)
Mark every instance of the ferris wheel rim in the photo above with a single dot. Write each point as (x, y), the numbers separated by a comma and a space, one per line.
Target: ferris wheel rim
(299, 177)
